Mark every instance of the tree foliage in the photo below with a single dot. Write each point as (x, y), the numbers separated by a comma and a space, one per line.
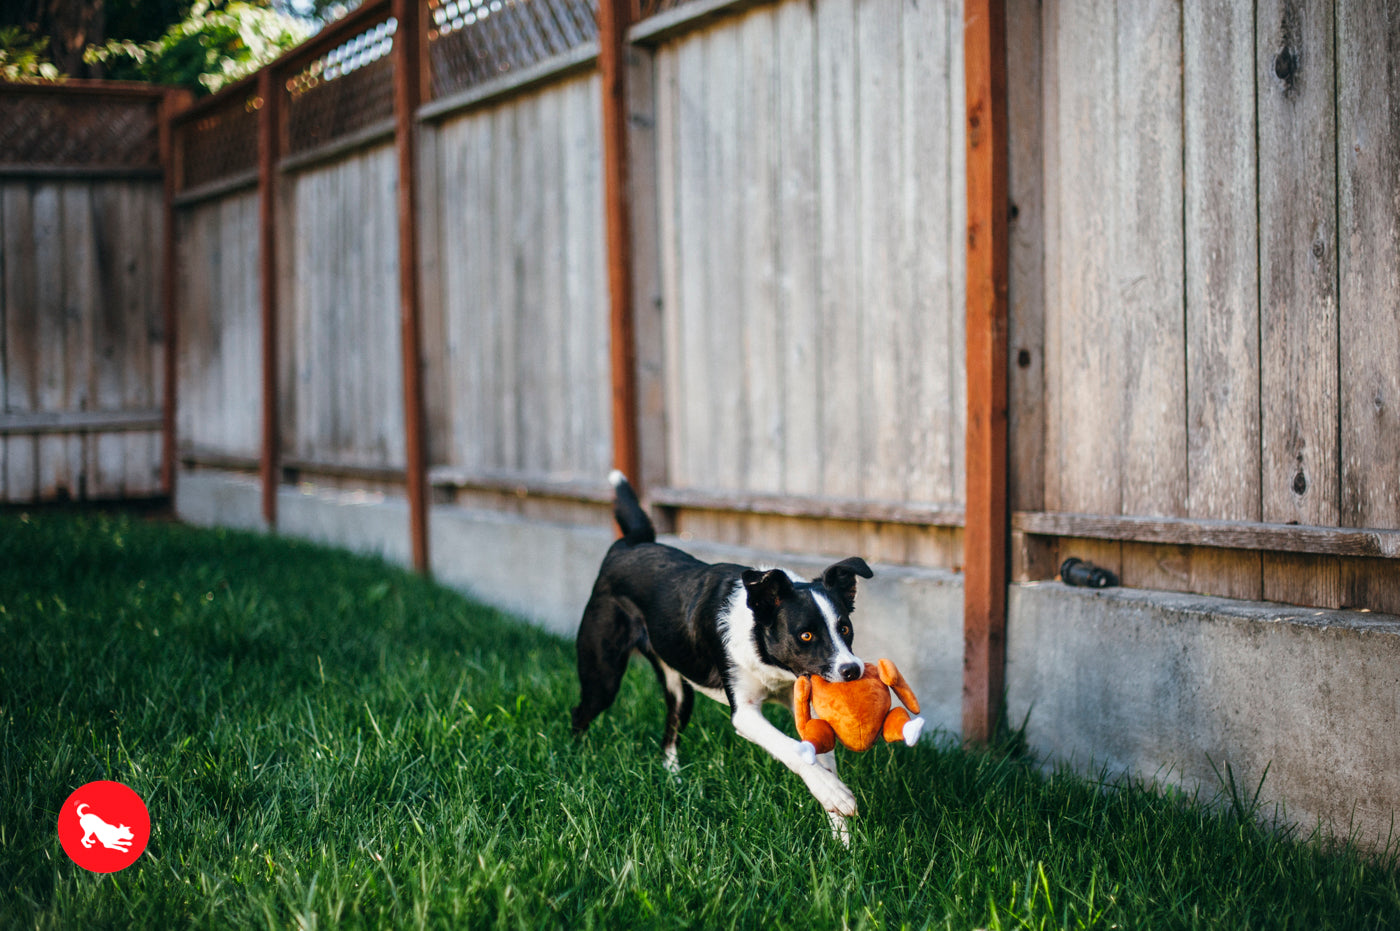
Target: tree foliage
(24, 58)
(202, 44)
(216, 44)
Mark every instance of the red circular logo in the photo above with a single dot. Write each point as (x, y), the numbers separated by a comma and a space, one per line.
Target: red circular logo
(104, 826)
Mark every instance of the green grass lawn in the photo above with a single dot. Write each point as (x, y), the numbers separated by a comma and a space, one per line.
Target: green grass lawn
(325, 741)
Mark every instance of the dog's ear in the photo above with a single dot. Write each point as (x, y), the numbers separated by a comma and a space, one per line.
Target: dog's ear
(767, 588)
(840, 579)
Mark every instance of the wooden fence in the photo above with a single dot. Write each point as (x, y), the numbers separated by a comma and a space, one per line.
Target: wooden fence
(1209, 310)
(82, 361)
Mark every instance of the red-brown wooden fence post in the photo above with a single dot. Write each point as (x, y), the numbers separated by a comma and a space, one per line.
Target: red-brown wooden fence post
(269, 132)
(407, 96)
(614, 17)
(173, 102)
(985, 538)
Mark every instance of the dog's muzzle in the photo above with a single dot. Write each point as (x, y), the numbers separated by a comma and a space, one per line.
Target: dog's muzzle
(849, 672)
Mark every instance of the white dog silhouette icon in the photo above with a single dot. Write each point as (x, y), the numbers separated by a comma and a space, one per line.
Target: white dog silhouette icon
(112, 836)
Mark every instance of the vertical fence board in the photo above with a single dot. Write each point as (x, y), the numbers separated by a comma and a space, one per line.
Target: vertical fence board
(927, 112)
(691, 398)
(957, 255)
(553, 419)
(762, 332)
(670, 154)
(1298, 287)
(21, 335)
(1026, 89)
(882, 357)
(508, 175)
(838, 177)
(1368, 146)
(1222, 286)
(1087, 332)
(1148, 280)
(798, 247)
(730, 323)
(110, 358)
(1053, 238)
(51, 345)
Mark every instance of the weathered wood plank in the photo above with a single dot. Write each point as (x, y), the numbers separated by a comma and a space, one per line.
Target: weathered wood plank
(111, 358)
(112, 420)
(1053, 232)
(1368, 128)
(668, 221)
(508, 179)
(798, 248)
(957, 250)
(393, 450)
(21, 334)
(728, 312)
(530, 315)
(466, 159)
(1148, 282)
(556, 401)
(1222, 286)
(933, 248)
(1246, 535)
(50, 347)
(840, 247)
(883, 355)
(1295, 80)
(763, 333)
(696, 421)
(1026, 91)
(1085, 327)
(649, 336)
(431, 210)
(813, 506)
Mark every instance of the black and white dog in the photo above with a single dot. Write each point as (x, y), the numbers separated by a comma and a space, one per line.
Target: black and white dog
(741, 636)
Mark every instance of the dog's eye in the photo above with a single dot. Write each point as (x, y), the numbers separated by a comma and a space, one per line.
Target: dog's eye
(845, 631)
(806, 636)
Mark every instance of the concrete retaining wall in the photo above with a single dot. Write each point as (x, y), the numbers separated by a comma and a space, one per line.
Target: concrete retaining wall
(1163, 684)
(1154, 684)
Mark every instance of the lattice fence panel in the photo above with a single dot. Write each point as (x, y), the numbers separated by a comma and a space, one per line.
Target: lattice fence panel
(471, 42)
(345, 91)
(66, 128)
(220, 143)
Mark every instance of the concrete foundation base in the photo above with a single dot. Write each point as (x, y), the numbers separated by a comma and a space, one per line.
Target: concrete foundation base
(1154, 684)
(1173, 687)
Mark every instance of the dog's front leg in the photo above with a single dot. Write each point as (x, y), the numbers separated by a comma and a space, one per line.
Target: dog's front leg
(839, 828)
(822, 782)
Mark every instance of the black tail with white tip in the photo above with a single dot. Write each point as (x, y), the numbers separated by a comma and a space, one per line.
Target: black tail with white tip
(634, 523)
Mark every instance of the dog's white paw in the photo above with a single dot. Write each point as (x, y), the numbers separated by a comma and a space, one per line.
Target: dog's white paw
(912, 729)
(840, 829)
(833, 794)
(807, 752)
(671, 761)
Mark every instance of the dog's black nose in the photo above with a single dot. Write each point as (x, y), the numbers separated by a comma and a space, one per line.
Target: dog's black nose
(849, 671)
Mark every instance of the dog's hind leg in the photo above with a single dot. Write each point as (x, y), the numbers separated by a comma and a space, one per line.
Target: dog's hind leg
(610, 630)
(680, 701)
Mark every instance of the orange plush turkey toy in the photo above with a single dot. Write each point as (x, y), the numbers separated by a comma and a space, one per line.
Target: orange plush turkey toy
(857, 712)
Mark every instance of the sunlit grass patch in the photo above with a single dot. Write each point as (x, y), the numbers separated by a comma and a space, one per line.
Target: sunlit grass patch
(327, 741)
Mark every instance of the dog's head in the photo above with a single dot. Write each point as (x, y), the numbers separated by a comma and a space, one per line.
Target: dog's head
(805, 627)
